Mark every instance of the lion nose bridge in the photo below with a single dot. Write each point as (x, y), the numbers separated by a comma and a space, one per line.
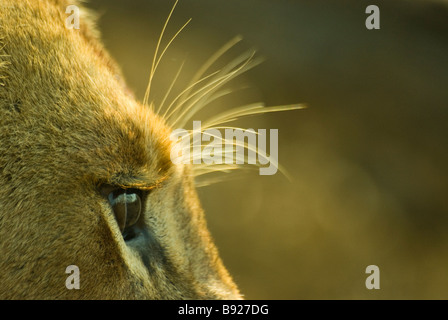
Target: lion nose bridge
(205, 281)
(220, 290)
(189, 279)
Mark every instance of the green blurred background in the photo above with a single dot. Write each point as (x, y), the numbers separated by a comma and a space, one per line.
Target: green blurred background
(368, 158)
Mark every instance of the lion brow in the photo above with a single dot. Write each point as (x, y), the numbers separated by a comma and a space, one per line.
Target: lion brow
(141, 182)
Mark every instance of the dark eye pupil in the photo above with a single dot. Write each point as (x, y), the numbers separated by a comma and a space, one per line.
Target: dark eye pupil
(127, 205)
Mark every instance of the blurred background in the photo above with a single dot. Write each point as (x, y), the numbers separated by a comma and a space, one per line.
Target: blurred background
(368, 157)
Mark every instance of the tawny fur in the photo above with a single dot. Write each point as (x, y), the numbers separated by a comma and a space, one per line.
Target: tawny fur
(67, 126)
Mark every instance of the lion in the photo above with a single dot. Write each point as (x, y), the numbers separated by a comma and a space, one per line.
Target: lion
(86, 174)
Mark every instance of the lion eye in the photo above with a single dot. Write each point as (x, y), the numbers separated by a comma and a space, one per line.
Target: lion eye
(127, 206)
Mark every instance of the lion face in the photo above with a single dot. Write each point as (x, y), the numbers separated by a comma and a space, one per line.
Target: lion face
(86, 175)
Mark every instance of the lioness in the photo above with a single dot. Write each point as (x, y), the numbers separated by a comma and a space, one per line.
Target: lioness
(73, 143)
(86, 174)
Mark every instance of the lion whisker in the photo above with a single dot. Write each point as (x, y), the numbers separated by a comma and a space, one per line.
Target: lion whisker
(160, 107)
